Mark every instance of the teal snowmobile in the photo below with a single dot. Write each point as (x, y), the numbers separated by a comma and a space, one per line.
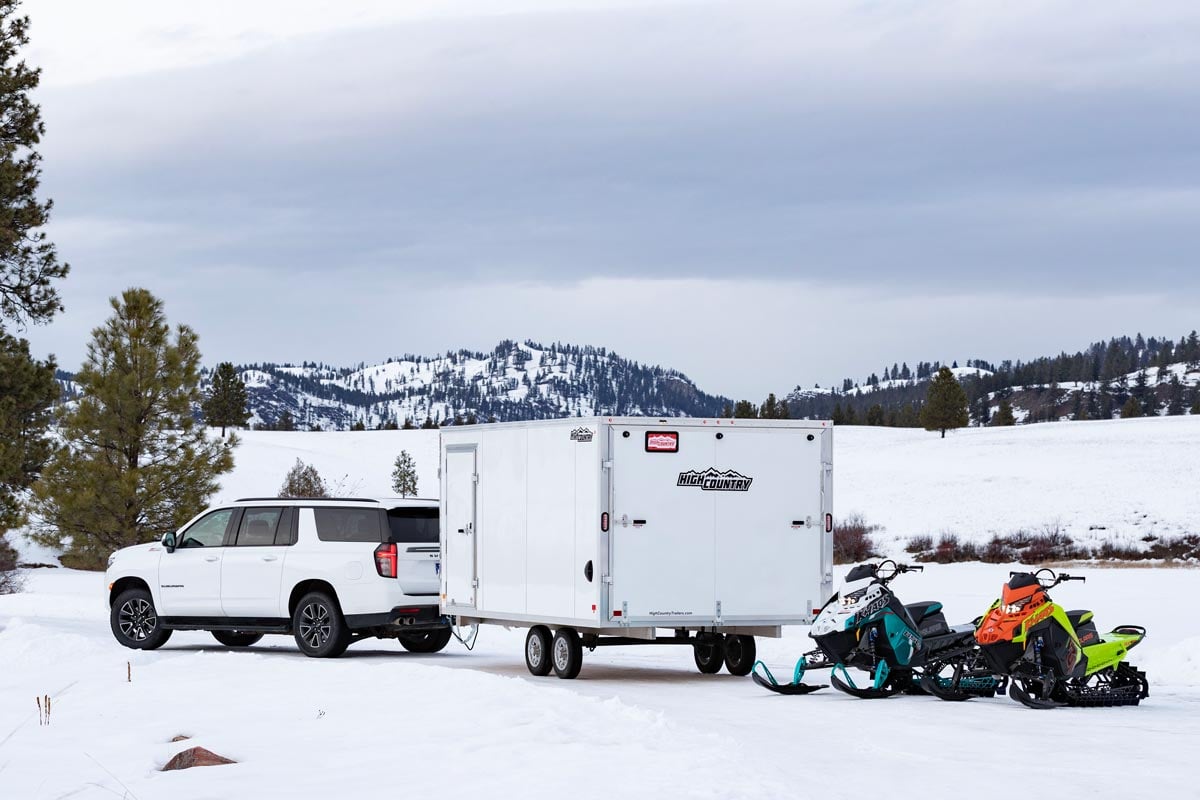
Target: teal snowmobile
(865, 626)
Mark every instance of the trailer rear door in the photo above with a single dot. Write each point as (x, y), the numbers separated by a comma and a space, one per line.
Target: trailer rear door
(769, 535)
(662, 538)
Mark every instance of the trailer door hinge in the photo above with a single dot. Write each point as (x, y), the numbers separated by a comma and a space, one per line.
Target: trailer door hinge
(606, 464)
(475, 478)
(718, 611)
(606, 579)
(475, 583)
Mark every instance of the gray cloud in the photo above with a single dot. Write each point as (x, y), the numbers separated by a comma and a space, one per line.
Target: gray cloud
(906, 148)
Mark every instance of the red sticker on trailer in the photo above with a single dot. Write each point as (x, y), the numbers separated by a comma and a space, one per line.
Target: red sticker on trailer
(662, 442)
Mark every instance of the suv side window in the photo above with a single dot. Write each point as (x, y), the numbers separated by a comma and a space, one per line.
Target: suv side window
(415, 525)
(258, 527)
(285, 534)
(208, 531)
(348, 524)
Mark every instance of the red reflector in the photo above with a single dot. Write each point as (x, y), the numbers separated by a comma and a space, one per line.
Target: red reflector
(662, 442)
(408, 610)
(829, 523)
(616, 613)
(385, 560)
(604, 522)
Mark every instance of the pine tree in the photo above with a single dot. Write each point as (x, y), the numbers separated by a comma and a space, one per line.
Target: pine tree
(404, 475)
(727, 411)
(27, 390)
(744, 409)
(838, 417)
(29, 263)
(1131, 409)
(358, 425)
(428, 424)
(945, 405)
(134, 462)
(286, 422)
(1174, 397)
(225, 405)
(770, 407)
(875, 415)
(851, 416)
(303, 480)
(1004, 415)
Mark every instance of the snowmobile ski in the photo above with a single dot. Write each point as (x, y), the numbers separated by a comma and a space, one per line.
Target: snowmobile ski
(769, 683)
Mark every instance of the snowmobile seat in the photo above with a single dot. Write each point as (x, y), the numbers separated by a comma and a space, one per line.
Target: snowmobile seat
(1077, 618)
(919, 611)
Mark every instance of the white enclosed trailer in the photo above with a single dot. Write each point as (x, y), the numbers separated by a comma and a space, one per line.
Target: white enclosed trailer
(632, 530)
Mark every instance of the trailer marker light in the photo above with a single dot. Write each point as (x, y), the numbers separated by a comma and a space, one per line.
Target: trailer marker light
(829, 523)
(593, 607)
(604, 522)
(616, 613)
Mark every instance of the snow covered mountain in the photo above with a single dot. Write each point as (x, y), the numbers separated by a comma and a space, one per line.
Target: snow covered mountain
(514, 381)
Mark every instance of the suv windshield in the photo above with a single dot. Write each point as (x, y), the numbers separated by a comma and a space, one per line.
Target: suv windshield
(418, 525)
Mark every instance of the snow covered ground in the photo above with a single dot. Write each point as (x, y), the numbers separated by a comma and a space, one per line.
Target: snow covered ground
(638, 722)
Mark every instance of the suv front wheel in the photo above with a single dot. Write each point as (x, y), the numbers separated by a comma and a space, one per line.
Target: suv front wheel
(134, 621)
(319, 628)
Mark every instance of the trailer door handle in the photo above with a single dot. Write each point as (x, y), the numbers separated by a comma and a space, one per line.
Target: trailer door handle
(637, 523)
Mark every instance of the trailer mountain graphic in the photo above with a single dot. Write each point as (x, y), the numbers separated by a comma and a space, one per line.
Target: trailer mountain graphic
(714, 480)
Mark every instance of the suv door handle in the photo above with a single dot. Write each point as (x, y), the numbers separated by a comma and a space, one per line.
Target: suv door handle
(211, 558)
(270, 558)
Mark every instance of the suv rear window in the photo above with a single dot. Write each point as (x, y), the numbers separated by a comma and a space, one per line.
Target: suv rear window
(419, 525)
(347, 524)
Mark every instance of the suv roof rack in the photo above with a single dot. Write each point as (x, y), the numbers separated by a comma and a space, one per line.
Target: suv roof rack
(335, 499)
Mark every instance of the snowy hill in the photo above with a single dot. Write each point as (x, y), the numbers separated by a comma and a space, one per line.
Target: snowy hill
(513, 381)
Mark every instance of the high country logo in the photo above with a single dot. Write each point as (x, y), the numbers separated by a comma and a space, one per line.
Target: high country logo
(581, 435)
(713, 480)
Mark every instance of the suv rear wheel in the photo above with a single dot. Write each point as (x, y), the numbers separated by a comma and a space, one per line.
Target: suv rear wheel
(425, 641)
(236, 638)
(319, 628)
(134, 621)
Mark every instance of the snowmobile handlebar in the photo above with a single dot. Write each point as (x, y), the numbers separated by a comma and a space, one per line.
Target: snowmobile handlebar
(1048, 578)
(885, 571)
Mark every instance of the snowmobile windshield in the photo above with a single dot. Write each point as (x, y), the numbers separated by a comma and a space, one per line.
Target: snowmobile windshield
(860, 573)
(1022, 580)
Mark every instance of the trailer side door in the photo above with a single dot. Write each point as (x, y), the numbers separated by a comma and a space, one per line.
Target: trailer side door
(459, 536)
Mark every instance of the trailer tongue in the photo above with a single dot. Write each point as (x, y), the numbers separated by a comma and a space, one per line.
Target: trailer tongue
(624, 530)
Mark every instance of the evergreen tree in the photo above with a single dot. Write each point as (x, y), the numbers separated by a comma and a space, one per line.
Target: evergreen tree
(29, 263)
(404, 475)
(744, 409)
(1131, 409)
(358, 425)
(225, 405)
(27, 390)
(770, 407)
(408, 424)
(1004, 415)
(134, 462)
(875, 415)
(303, 480)
(1193, 351)
(1195, 409)
(286, 422)
(851, 416)
(727, 411)
(838, 417)
(1174, 397)
(428, 424)
(945, 405)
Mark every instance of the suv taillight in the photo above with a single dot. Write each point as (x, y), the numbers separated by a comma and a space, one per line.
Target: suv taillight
(385, 560)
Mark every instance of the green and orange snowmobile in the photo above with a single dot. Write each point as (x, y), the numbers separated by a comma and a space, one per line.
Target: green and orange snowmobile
(1053, 657)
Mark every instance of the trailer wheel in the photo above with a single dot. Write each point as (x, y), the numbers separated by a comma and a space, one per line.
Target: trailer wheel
(567, 653)
(740, 653)
(537, 651)
(709, 652)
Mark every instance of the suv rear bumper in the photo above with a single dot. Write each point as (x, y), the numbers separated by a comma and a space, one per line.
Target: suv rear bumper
(400, 619)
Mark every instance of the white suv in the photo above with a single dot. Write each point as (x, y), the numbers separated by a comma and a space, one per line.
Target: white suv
(328, 571)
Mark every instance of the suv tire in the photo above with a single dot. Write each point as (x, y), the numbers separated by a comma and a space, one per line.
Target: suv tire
(236, 638)
(318, 626)
(134, 621)
(425, 641)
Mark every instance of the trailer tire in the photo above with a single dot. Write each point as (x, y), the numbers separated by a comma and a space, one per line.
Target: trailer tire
(740, 653)
(709, 652)
(537, 651)
(567, 653)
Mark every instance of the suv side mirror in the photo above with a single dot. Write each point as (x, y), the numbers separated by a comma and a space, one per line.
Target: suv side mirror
(168, 541)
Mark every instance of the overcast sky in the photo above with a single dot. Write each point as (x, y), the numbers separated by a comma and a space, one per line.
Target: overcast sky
(760, 194)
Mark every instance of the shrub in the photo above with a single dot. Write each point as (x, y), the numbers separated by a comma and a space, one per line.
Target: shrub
(948, 550)
(998, 551)
(852, 542)
(10, 580)
(919, 544)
